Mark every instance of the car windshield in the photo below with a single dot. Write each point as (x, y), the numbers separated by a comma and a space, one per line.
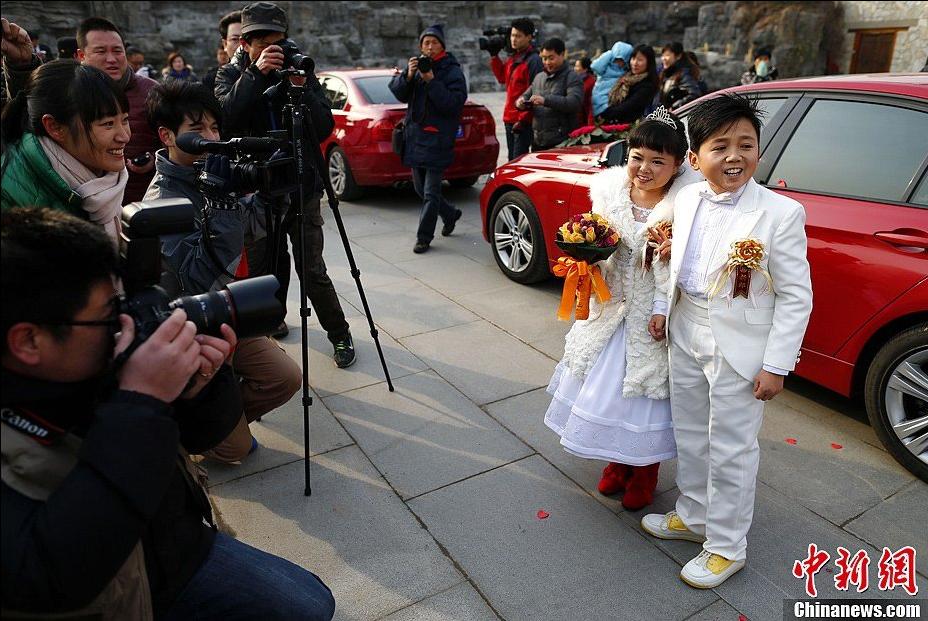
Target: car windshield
(376, 89)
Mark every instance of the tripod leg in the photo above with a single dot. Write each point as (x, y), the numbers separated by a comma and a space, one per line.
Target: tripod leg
(304, 315)
(314, 147)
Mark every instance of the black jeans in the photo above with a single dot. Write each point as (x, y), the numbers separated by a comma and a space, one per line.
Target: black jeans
(518, 143)
(427, 183)
(319, 287)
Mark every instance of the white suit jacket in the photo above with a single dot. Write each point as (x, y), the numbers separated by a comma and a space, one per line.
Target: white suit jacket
(766, 328)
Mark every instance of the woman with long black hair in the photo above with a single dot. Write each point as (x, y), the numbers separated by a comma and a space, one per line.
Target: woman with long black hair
(65, 135)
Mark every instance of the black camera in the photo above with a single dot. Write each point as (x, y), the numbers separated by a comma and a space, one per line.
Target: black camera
(258, 163)
(296, 59)
(495, 39)
(250, 307)
(425, 63)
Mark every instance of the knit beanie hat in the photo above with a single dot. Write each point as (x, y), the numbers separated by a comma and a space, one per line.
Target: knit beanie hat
(436, 31)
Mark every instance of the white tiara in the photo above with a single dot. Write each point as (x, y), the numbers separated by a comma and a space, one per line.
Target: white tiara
(663, 116)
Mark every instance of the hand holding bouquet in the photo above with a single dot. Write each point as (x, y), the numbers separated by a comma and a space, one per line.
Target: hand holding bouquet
(586, 238)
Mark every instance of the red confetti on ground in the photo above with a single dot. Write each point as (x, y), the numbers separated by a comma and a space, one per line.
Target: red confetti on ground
(791, 440)
(542, 514)
(836, 446)
(742, 618)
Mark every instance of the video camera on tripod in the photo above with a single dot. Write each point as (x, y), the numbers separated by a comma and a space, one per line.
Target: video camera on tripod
(258, 164)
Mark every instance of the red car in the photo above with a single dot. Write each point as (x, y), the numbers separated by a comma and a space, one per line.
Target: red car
(854, 151)
(359, 151)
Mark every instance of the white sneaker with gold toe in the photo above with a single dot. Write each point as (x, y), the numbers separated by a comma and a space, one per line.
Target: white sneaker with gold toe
(709, 570)
(669, 526)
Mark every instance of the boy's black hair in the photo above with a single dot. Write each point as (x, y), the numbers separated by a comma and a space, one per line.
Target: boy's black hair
(524, 25)
(235, 17)
(554, 45)
(170, 103)
(586, 62)
(95, 23)
(73, 94)
(719, 114)
(132, 51)
(50, 262)
(659, 136)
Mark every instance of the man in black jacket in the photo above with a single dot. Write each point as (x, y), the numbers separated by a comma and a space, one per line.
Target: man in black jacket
(103, 514)
(435, 98)
(246, 111)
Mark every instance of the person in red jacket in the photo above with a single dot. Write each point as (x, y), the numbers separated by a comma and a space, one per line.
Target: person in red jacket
(100, 44)
(517, 74)
(582, 67)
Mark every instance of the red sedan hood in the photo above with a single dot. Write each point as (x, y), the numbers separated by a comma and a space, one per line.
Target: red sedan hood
(580, 157)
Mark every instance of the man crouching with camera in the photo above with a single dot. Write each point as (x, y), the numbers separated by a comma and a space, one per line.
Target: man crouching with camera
(247, 111)
(211, 256)
(103, 515)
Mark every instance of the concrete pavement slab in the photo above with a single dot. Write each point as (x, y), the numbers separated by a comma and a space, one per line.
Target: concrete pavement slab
(580, 562)
(426, 434)
(837, 483)
(551, 346)
(528, 313)
(461, 602)
(353, 532)
(482, 361)
(280, 434)
(780, 535)
(452, 274)
(327, 379)
(524, 415)
(897, 522)
(719, 611)
(375, 272)
(409, 307)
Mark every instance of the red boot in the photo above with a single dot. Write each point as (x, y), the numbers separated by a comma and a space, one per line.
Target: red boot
(614, 478)
(639, 489)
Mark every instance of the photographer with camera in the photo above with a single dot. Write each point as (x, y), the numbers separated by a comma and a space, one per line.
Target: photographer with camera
(103, 514)
(208, 258)
(434, 87)
(517, 73)
(247, 111)
(556, 96)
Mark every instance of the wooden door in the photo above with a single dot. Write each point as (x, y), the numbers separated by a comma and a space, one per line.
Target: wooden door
(873, 51)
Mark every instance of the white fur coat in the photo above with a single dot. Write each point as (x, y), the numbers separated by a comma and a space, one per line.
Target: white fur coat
(633, 290)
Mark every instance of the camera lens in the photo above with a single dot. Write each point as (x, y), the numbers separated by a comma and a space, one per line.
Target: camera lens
(250, 307)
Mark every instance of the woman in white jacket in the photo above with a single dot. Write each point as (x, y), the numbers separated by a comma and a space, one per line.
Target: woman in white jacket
(610, 391)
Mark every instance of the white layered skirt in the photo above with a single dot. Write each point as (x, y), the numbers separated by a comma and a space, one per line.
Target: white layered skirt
(595, 421)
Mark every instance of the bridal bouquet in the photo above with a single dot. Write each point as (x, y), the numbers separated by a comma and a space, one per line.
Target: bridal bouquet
(586, 239)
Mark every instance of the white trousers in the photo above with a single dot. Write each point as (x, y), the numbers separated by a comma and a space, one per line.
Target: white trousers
(716, 420)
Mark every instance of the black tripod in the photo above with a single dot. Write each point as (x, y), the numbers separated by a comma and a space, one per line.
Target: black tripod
(295, 115)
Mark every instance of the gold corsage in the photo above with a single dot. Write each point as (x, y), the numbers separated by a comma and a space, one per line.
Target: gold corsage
(745, 257)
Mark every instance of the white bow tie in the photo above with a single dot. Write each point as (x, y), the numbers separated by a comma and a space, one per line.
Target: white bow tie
(725, 198)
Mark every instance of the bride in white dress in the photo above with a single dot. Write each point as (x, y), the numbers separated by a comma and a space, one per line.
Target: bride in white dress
(610, 393)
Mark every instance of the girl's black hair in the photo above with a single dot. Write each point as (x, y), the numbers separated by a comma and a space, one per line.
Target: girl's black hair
(648, 52)
(586, 62)
(73, 94)
(661, 137)
(674, 46)
(720, 113)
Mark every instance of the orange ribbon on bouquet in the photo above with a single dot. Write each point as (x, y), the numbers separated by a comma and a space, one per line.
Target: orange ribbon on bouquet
(580, 280)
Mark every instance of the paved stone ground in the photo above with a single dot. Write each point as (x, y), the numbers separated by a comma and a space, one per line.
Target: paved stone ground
(425, 500)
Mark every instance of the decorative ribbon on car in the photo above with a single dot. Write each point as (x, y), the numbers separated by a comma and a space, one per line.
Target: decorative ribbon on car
(580, 280)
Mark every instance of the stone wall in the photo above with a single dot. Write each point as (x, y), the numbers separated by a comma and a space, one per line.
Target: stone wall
(911, 44)
(384, 34)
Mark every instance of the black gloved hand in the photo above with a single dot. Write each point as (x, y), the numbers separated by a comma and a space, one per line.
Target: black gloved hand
(216, 183)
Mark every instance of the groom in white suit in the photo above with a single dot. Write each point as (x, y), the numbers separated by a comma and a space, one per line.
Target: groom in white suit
(731, 342)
